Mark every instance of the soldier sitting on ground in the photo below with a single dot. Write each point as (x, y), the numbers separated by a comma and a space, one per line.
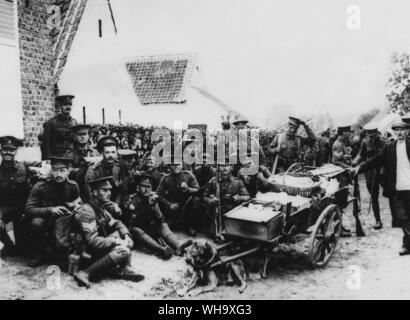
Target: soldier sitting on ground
(146, 221)
(47, 202)
(177, 197)
(107, 240)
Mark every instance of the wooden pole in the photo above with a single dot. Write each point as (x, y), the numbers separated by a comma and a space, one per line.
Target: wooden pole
(100, 28)
(84, 117)
(119, 115)
(103, 116)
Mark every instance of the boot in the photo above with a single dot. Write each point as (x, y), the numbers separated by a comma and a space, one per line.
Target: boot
(37, 260)
(378, 225)
(95, 270)
(171, 239)
(126, 273)
(9, 247)
(404, 251)
(146, 240)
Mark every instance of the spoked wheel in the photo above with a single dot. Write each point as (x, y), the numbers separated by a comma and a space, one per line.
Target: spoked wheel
(325, 236)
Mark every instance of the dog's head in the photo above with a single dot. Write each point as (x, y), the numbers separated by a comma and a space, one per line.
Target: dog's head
(201, 253)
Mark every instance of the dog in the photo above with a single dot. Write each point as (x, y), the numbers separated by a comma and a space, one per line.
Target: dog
(200, 255)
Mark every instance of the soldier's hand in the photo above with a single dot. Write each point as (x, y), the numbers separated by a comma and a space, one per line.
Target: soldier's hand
(129, 241)
(174, 206)
(214, 200)
(120, 243)
(235, 198)
(354, 171)
(184, 187)
(59, 211)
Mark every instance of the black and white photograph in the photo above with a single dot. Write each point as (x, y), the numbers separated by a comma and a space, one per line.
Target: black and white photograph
(204, 150)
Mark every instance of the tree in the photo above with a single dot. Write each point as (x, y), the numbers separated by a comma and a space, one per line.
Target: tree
(398, 83)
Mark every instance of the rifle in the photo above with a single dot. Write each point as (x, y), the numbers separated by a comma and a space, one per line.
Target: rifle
(356, 195)
(218, 211)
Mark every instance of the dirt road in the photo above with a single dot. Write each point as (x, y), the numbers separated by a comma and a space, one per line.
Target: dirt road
(361, 268)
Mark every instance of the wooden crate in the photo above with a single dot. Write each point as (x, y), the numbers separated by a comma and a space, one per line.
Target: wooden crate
(255, 225)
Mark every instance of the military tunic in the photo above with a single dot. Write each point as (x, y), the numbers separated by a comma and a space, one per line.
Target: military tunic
(57, 135)
(14, 188)
(97, 225)
(228, 188)
(290, 147)
(80, 165)
(102, 169)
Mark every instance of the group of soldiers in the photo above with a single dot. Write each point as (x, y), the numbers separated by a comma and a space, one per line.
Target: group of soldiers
(99, 204)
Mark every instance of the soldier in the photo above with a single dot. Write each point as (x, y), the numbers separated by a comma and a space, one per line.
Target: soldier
(177, 197)
(203, 173)
(232, 190)
(79, 154)
(57, 135)
(107, 240)
(255, 182)
(152, 171)
(146, 221)
(14, 188)
(370, 147)
(341, 151)
(108, 166)
(48, 201)
(240, 124)
(287, 145)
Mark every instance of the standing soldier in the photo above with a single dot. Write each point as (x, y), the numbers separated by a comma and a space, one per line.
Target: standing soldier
(14, 188)
(79, 154)
(370, 147)
(107, 240)
(146, 221)
(57, 134)
(48, 201)
(177, 197)
(108, 166)
(287, 145)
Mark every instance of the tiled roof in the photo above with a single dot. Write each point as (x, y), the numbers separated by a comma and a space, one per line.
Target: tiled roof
(71, 13)
(161, 79)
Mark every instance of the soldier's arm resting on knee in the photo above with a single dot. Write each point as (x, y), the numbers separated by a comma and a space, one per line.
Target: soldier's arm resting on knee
(33, 205)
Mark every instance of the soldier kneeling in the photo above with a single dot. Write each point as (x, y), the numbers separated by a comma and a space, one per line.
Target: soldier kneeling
(107, 239)
(146, 221)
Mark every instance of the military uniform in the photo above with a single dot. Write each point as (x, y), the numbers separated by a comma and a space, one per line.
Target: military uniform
(370, 148)
(42, 198)
(228, 188)
(290, 146)
(80, 165)
(170, 192)
(107, 240)
(103, 169)
(57, 137)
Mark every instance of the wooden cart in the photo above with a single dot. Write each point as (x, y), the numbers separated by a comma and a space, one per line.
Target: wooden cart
(320, 221)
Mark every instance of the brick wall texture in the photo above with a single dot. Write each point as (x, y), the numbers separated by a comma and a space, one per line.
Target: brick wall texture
(36, 63)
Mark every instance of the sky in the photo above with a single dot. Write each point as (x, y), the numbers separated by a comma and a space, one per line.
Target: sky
(266, 58)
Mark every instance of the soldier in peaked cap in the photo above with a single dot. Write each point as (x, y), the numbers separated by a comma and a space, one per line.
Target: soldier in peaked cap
(108, 166)
(146, 221)
(47, 202)
(14, 187)
(57, 137)
(287, 145)
(372, 145)
(341, 150)
(79, 155)
(177, 197)
(108, 240)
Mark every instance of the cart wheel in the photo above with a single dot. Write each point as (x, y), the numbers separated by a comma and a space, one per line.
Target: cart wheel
(325, 236)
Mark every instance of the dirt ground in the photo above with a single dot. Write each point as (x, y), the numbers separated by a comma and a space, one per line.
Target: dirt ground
(361, 268)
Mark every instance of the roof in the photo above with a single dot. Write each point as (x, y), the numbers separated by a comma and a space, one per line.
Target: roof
(161, 78)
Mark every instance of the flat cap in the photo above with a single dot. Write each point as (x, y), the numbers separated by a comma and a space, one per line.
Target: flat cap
(10, 142)
(294, 121)
(370, 128)
(341, 129)
(62, 98)
(400, 124)
(145, 180)
(101, 183)
(80, 127)
(106, 141)
(240, 119)
(59, 162)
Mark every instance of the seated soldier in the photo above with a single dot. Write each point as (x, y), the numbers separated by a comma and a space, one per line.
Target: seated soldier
(203, 173)
(254, 182)
(146, 221)
(14, 188)
(151, 170)
(177, 197)
(49, 200)
(232, 190)
(107, 239)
